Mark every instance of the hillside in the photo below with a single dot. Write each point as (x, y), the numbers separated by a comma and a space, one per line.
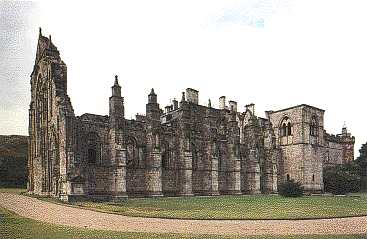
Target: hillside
(13, 160)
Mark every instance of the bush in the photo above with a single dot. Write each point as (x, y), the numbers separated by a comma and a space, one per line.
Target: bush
(342, 179)
(290, 189)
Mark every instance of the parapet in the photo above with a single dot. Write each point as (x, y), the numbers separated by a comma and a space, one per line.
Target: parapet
(192, 96)
(140, 117)
(251, 108)
(222, 102)
(233, 105)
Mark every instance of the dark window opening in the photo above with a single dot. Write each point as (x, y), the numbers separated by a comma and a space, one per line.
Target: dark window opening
(92, 156)
(313, 177)
(288, 177)
(283, 130)
(286, 128)
(289, 128)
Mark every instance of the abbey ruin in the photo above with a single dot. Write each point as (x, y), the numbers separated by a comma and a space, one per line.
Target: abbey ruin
(185, 149)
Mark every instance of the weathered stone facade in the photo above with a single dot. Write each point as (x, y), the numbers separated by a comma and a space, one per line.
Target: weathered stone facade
(188, 149)
(305, 145)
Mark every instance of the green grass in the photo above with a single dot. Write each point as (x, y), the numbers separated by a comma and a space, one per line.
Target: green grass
(14, 226)
(231, 207)
(236, 207)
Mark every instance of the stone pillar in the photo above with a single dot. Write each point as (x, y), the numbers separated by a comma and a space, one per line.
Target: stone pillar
(268, 172)
(119, 174)
(153, 174)
(254, 156)
(213, 157)
(233, 171)
(233, 162)
(252, 183)
(185, 167)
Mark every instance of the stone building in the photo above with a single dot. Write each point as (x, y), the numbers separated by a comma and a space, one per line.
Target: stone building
(187, 149)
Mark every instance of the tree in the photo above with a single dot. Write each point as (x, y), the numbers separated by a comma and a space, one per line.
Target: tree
(342, 179)
(362, 162)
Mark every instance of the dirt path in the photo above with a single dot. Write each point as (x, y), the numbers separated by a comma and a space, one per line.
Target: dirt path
(76, 217)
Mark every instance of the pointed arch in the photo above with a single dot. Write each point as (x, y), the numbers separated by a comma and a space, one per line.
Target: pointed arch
(132, 152)
(286, 127)
(166, 155)
(93, 148)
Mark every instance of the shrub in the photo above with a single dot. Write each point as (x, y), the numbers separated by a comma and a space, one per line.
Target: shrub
(342, 179)
(290, 189)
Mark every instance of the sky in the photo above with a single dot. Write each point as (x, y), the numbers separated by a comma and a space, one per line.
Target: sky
(273, 53)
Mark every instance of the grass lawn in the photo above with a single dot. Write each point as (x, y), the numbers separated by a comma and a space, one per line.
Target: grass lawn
(236, 207)
(231, 207)
(13, 226)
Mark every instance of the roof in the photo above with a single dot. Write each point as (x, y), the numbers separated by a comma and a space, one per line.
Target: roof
(297, 106)
(94, 118)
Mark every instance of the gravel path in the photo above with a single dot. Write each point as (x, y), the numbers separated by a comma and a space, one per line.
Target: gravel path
(76, 217)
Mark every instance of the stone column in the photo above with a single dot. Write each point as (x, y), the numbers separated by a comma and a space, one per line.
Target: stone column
(252, 184)
(153, 174)
(233, 171)
(213, 157)
(233, 162)
(119, 174)
(185, 169)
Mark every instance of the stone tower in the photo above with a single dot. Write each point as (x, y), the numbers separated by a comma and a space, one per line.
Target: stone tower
(153, 173)
(299, 132)
(348, 145)
(117, 147)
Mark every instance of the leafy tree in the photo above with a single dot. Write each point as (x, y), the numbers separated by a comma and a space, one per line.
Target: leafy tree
(342, 179)
(362, 162)
(290, 189)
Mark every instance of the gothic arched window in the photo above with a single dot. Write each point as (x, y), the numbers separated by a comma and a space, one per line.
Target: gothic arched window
(92, 155)
(285, 127)
(132, 155)
(166, 156)
(93, 145)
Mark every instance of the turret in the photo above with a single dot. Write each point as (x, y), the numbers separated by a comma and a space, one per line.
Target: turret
(117, 109)
(118, 152)
(344, 130)
(153, 171)
(152, 108)
(152, 97)
(348, 145)
(116, 88)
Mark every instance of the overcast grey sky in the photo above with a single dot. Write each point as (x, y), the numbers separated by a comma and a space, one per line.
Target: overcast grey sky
(274, 53)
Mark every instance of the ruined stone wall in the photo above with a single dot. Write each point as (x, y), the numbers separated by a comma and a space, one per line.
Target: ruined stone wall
(50, 122)
(134, 139)
(333, 153)
(339, 148)
(92, 154)
(188, 150)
